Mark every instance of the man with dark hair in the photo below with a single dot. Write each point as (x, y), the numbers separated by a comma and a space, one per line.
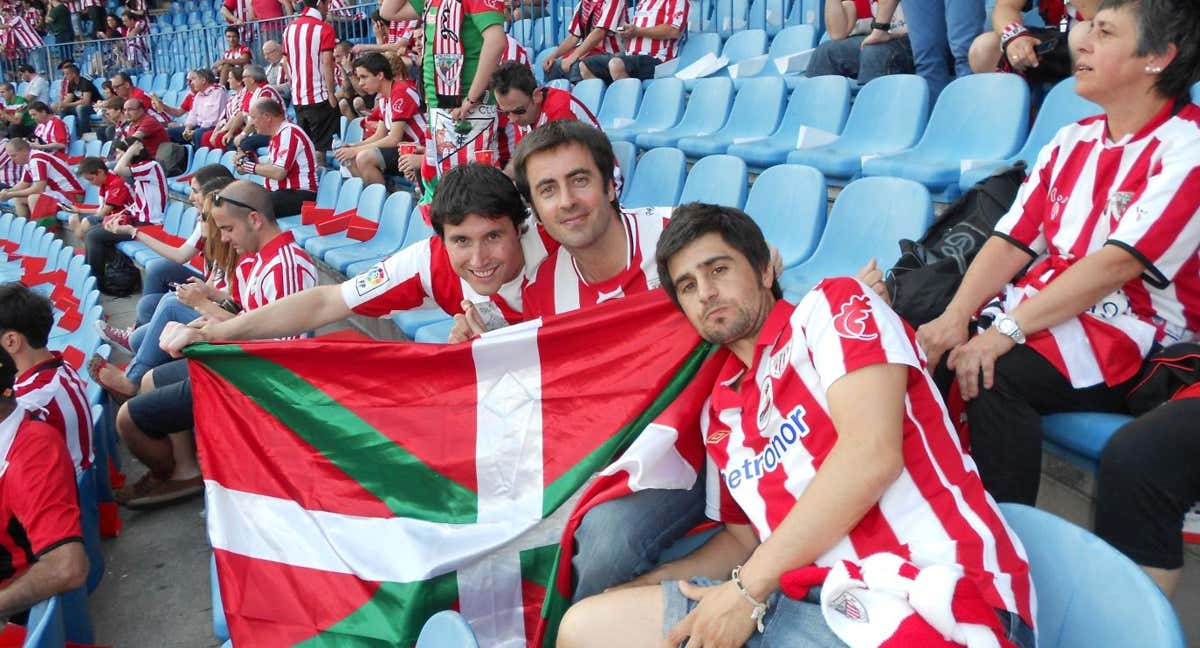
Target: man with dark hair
(50, 134)
(140, 125)
(308, 44)
(116, 202)
(41, 544)
(236, 55)
(806, 473)
(46, 185)
(46, 385)
(479, 254)
(524, 106)
(78, 95)
(398, 115)
(275, 268)
(37, 88)
(15, 115)
(291, 165)
(122, 86)
(649, 39)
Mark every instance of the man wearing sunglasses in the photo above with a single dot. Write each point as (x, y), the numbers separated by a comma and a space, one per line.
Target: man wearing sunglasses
(123, 87)
(523, 106)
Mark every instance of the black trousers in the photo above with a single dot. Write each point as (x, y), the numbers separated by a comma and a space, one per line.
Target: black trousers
(287, 202)
(98, 244)
(1006, 420)
(1149, 478)
(321, 122)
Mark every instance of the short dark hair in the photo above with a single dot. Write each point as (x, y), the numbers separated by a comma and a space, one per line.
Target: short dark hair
(269, 106)
(69, 67)
(1160, 24)
(26, 312)
(90, 165)
(233, 30)
(557, 134)
(511, 75)
(693, 220)
(475, 189)
(375, 63)
(39, 106)
(122, 76)
(124, 144)
(115, 103)
(25, 68)
(206, 74)
(210, 172)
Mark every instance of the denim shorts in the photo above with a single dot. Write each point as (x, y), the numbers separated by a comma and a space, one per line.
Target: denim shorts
(792, 622)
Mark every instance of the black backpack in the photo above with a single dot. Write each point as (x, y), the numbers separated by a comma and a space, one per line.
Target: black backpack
(173, 158)
(929, 271)
(121, 276)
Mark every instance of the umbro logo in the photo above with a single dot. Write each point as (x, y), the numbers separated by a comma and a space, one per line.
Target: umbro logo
(716, 437)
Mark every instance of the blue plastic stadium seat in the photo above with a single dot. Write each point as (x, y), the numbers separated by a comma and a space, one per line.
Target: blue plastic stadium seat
(626, 155)
(888, 115)
(370, 206)
(1196, 93)
(446, 629)
(767, 15)
(590, 92)
(820, 103)
(792, 40)
(620, 103)
(415, 230)
(662, 105)
(718, 180)
(740, 46)
(695, 47)
(178, 81)
(522, 30)
(346, 201)
(754, 115)
(977, 117)
(45, 627)
(220, 625)
(1060, 107)
(436, 333)
(658, 179)
(393, 221)
(731, 17)
(707, 108)
(90, 525)
(1088, 593)
(789, 202)
(1079, 437)
(537, 64)
(869, 217)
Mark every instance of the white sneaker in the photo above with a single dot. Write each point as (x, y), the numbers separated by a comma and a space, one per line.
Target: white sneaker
(1191, 525)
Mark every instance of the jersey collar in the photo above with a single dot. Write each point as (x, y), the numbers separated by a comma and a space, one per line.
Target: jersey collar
(54, 361)
(312, 12)
(1160, 118)
(733, 370)
(273, 246)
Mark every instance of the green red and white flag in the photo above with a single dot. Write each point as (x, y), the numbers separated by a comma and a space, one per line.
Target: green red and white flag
(356, 488)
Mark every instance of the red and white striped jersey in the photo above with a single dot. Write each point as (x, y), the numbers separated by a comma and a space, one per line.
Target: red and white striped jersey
(117, 194)
(280, 268)
(292, 150)
(60, 182)
(54, 131)
(10, 172)
(768, 430)
(558, 287)
(149, 192)
(21, 35)
(55, 393)
(404, 105)
(596, 14)
(137, 48)
(1141, 194)
(421, 275)
(303, 42)
(650, 13)
(514, 51)
(556, 104)
(266, 92)
(402, 31)
(339, 8)
(233, 53)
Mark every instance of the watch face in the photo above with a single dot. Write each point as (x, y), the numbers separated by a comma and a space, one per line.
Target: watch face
(1006, 326)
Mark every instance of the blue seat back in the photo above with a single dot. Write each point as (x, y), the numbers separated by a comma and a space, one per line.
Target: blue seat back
(696, 46)
(590, 92)
(354, 132)
(757, 107)
(173, 218)
(620, 104)
(662, 104)
(446, 629)
(45, 627)
(177, 82)
(1196, 93)
(90, 525)
(538, 73)
(370, 202)
(226, 160)
(393, 219)
(767, 15)
(716, 179)
(75, 148)
(626, 154)
(869, 218)
(1060, 107)
(792, 40)
(788, 202)
(328, 188)
(1088, 593)
(659, 178)
(708, 106)
(981, 116)
(821, 102)
(416, 230)
(348, 196)
(92, 148)
(522, 30)
(745, 44)
(730, 17)
(904, 98)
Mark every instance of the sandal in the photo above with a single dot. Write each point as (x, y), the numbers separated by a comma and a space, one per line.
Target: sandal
(95, 366)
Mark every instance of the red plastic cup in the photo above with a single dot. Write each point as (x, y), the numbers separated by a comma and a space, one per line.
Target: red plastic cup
(408, 148)
(486, 156)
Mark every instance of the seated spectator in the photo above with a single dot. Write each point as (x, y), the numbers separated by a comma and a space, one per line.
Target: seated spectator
(398, 114)
(141, 126)
(232, 119)
(254, 79)
(122, 86)
(276, 267)
(352, 101)
(46, 385)
(41, 544)
(652, 37)
(860, 45)
(147, 179)
(15, 112)
(524, 106)
(78, 95)
(291, 165)
(115, 126)
(38, 88)
(117, 203)
(1043, 54)
(234, 56)
(137, 48)
(593, 31)
(277, 76)
(112, 30)
(819, 480)
(46, 186)
(200, 110)
(50, 134)
(1108, 219)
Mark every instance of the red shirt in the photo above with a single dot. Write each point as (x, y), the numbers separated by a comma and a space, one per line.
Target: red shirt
(403, 105)
(303, 42)
(54, 131)
(61, 182)
(241, 51)
(38, 499)
(154, 133)
(139, 94)
(116, 194)
(593, 14)
(280, 268)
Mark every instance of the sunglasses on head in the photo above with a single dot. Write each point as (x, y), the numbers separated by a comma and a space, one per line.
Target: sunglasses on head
(221, 199)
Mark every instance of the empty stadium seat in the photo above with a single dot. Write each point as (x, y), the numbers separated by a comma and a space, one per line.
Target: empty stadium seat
(730, 17)
(977, 117)
(620, 104)
(1080, 437)
(767, 15)
(662, 105)
(415, 230)
(790, 41)
(178, 81)
(538, 73)
(657, 180)
(754, 115)
(718, 180)
(740, 46)
(789, 202)
(328, 187)
(889, 114)
(370, 205)
(446, 629)
(1060, 107)
(435, 333)
(868, 218)
(590, 92)
(695, 47)
(821, 103)
(1088, 593)
(707, 108)
(808, 12)
(626, 155)
(45, 627)
(393, 221)
(346, 201)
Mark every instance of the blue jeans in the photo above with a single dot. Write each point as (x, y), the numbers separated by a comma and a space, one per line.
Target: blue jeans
(160, 273)
(144, 340)
(847, 57)
(941, 32)
(622, 539)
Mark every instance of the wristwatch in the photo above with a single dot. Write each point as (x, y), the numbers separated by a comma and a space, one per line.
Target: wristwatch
(1008, 327)
(885, 26)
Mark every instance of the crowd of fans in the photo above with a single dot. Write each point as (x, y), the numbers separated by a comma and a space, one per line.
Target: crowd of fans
(1093, 270)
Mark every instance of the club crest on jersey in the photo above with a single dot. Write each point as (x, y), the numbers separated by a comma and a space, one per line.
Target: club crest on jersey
(371, 279)
(791, 430)
(851, 320)
(779, 361)
(1118, 203)
(850, 607)
(1058, 200)
(765, 395)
